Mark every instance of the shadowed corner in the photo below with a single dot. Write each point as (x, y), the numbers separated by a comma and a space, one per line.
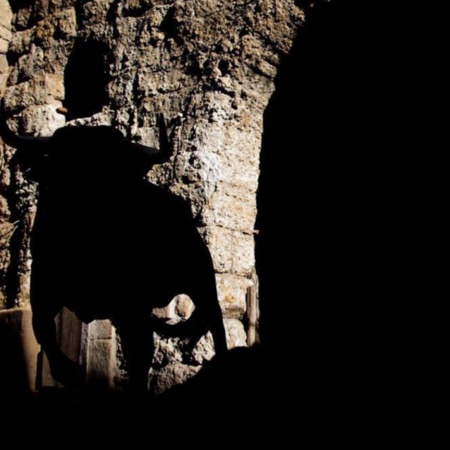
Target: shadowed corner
(350, 262)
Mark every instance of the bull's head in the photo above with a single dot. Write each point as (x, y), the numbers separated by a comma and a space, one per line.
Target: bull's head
(91, 147)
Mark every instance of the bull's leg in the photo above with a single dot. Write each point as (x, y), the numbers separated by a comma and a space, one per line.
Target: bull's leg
(136, 334)
(207, 316)
(217, 328)
(62, 368)
(45, 308)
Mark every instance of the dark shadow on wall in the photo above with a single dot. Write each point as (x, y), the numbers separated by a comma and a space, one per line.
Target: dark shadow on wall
(18, 4)
(349, 251)
(350, 213)
(85, 78)
(107, 244)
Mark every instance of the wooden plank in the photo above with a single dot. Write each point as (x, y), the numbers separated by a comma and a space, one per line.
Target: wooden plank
(252, 311)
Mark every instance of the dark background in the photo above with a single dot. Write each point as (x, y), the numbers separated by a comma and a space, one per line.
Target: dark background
(351, 255)
(351, 208)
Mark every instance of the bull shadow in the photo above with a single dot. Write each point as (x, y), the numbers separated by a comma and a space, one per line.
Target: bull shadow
(348, 241)
(107, 244)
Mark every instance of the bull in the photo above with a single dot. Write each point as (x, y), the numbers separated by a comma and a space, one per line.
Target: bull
(107, 244)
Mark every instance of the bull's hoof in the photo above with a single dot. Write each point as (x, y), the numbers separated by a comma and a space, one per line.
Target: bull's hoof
(68, 372)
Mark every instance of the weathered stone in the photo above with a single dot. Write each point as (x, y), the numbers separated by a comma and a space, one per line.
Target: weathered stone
(3, 74)
(101, 329)
(232, 290)
(4, 210)
(204, 350)
(181, 307)
(66, 24)
(25, 94)
(6, 232)
(5, 17)
(230, 210)
(167, 351)
(236, 335)
(18, 352)
(170, 369)
(220, 243)
(21, 42)
(42, 120)
(54, 85)
(22, 18)
(101, 361)
(243, 260)
(3, 65)
(171, 375)
(93, 18)
(184, 306)
(4, 44)
(166, 313)
(232, 251)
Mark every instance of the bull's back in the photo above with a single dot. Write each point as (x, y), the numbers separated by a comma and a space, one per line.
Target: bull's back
(135, 244)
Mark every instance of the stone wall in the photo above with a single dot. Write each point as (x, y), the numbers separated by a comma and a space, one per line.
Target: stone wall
(208, 65)
(6, 225)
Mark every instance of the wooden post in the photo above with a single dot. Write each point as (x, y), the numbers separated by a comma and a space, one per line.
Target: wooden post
(252, 310)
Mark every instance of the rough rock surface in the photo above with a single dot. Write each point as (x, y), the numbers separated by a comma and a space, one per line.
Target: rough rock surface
(208, 65)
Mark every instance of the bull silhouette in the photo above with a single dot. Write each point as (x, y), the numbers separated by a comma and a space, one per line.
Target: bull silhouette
(107, 244)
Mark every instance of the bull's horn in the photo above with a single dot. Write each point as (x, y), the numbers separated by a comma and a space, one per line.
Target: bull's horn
(161, 155)
(12, 139)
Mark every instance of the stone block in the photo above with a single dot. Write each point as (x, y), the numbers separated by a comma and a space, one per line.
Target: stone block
(236, 335)
(232, 251)
(220, 243)
(184, 306)
(243, 253)
(4, 44)
(232, 208)
(54, 84)
(170, 376)
(42, 120)
(20, 43)
(101, 329)
(3, 68)
(18, 352)
(101, 362)
(204, 350)
(232, 291)
(5, 15)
